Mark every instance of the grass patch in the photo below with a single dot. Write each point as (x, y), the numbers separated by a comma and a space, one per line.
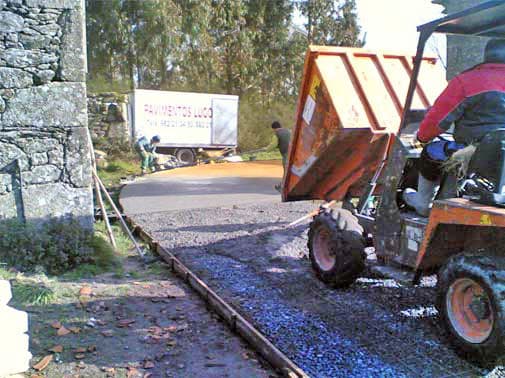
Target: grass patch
(273, 155)
(6, 274)
(118, 169)
(30, 292)
(123, 242)
(105, 259)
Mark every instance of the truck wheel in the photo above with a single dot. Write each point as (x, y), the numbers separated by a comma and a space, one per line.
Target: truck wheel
(337, 247)
(471, 303)
(185, 155)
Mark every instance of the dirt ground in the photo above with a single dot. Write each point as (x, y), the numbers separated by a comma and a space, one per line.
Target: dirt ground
(143, 324)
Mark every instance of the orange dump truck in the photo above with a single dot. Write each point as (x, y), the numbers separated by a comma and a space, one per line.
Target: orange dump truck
(358, 113)
(350, 101)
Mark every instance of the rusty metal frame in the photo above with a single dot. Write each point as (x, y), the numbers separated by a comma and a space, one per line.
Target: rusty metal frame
(232, 318)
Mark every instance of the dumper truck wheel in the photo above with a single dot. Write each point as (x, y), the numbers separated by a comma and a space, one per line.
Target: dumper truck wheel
(471, 303)
(186, 155)
(337, 247)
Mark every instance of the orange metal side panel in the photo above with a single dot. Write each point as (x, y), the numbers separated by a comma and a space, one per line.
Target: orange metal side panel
(459, 211)
(350, 101)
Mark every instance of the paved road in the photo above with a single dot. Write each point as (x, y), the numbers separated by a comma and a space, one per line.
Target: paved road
(206, 186)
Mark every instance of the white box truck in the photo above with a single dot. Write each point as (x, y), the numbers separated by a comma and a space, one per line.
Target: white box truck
(184, 121)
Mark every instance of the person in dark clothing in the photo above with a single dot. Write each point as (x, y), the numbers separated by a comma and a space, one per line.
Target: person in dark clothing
(474, 101)
(283, 137)
(147, 152)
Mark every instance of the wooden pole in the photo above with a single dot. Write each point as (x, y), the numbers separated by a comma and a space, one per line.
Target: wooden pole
(327, 205)
(118, 213)
(99, 194)
(104, 212)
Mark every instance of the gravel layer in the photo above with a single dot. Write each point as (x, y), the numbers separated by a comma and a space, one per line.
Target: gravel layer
(377, 327)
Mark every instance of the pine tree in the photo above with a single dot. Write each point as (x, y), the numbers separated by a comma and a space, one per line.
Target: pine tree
(331, 22)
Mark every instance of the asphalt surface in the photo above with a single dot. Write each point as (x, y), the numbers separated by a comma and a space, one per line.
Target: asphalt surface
(244, 251)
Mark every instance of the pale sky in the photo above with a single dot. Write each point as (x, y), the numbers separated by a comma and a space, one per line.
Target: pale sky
(391, 24)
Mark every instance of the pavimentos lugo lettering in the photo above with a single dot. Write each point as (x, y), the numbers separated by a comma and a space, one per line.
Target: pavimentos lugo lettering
(188, 111)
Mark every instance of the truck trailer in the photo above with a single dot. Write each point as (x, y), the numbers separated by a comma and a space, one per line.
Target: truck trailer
(186, 122)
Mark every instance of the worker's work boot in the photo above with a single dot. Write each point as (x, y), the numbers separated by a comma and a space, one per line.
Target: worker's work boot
(421, 200)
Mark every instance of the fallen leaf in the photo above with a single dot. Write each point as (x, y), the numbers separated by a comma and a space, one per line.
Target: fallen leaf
(107, 333)
(171, 328)
(155, 300)
(110, 370)
(92, 348)
(56, 325)
(101, 322)
(148, 375)
(148, 364)
(74, 329)
(155, 330)
(56, 349)
(63, 331)
(85, 291)
(171, 343)
(131, 372)
(79, 356)
(80, 350)
(42, 364)
(125, 323)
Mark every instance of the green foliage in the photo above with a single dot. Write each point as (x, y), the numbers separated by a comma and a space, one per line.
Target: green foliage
(117, 149)
(255, 120)
(263, 155)
(118, 169)
(331, 22)
(33, 293)
(6, 274)
(104, 257)
(123, 242)
(54, 247)
(243, 47)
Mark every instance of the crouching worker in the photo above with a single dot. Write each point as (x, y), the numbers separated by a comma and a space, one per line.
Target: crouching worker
(475, 102)
(147, 153)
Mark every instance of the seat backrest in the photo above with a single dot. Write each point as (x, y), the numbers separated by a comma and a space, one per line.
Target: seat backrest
(487, 168)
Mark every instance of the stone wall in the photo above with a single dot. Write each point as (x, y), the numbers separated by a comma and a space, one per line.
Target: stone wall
(45, 166)
(107, 116)
(462, 52)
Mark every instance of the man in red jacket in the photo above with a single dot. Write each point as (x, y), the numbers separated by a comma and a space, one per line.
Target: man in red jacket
(475, 102)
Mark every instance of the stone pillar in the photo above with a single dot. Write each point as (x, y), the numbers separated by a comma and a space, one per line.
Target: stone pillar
(14, 353)
(462, 52)
(45, 165)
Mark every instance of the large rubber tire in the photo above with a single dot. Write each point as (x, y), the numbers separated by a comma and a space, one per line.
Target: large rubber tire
(471, 329)
(186, 155)
(339, 233)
